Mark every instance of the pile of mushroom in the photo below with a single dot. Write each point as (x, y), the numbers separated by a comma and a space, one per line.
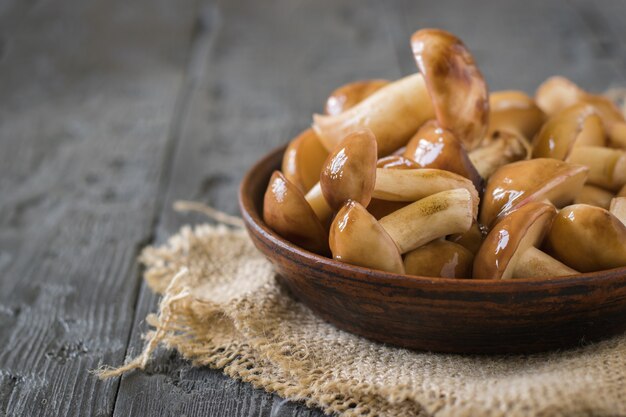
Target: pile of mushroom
(431, 175)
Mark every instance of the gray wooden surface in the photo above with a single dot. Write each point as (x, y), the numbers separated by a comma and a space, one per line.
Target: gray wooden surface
(111, 110)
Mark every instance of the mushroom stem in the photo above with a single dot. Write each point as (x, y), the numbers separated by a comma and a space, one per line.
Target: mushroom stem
(505, 148)
(536, 263)
(595, 196)
(618, 208)
(393, 114)
(414, 184)
(430, 218)
(617, 134)
(607, 167)
(318, 203)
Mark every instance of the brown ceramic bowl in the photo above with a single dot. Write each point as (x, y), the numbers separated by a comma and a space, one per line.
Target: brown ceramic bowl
(438, 314)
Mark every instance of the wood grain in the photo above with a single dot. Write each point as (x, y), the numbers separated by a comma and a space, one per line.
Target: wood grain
(99, 135)
(88, 90)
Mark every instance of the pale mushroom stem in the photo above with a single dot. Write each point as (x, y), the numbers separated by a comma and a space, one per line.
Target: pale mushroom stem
(536, 263)
(509, 148)
(435, 216)
(318, 203)
(618, 208)
(617, 134)
(607, 167)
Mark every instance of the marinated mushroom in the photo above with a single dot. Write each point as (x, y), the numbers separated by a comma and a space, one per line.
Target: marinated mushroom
(577, 125)
(618, 209)
(588, 238)
(439, 258)
(287, 212)
(607, 166)
(349, 95)
(594, 196)
(436, 147)
(513, 110)
(350, 170)
(413, 184)
(456, 87)
(500, 148)
(472, 239)
(393, 114)
(303, 160)
(558, 93)
(356, 237)
(510, 248)
(516, 184)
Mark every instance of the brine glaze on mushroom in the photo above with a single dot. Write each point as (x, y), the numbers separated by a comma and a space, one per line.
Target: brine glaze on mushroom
(356, 237)
(350, 170)
(436, 147)
(456, 87)
(588, 238)
(439, 258)
(393, 114)
(516, 184)
(349, 95)
(303, 160)
(510, 248)
(287, 212)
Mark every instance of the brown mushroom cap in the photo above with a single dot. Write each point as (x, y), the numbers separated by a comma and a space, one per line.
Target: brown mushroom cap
(577, 125)
(521, 182)
(303, 160)
(557, 93)
(348, 95)
(514, 110)
(455, 85)
(511, 238)
(350, 170)
(357, 238)
(436, 147)
(472, 239)
(287, 213)
(439, 258)
(393, 114)
(588, 238)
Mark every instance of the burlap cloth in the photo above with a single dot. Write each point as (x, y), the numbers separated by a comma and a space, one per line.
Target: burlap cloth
(223, 308)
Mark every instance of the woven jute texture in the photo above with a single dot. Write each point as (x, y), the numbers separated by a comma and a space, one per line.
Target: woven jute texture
(222, 307)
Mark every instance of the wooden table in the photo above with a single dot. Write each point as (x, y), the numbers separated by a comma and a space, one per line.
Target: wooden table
(110, 110)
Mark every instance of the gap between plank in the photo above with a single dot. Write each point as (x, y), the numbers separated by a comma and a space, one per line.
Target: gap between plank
(203, 32)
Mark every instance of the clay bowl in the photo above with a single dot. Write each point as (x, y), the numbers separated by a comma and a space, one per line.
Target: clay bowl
(436, 314)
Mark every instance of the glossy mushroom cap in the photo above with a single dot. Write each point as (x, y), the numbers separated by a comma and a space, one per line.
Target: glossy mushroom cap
(455, 85)
(516, 184)
(349, 95)
(287, 213)
(514, 110)
(557, 93)
(594, 196)
(357, 238)
(577, 125)
(439, 258)
(303, 160)
(588, 238)
(472, 239)
(436, 147)
(510, 239)
(350, 170)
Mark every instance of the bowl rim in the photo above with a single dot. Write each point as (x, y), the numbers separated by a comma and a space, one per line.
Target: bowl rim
(253, 220)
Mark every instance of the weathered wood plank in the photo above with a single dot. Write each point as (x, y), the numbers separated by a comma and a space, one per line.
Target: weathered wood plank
(268, 68)
(87, 92)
